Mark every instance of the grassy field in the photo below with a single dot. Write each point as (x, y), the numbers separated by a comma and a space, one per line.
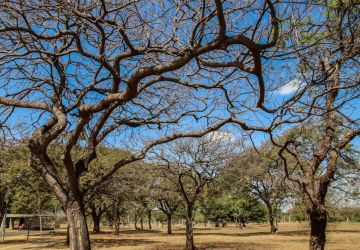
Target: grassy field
(292, 236)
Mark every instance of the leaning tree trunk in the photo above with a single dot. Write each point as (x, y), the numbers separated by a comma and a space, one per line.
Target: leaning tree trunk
(78, 230)
(169, 227)
(72, 201)
(135, 221)
(189, 230)
(318, 222)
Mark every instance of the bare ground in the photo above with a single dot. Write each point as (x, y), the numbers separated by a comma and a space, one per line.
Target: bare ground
(292, 236)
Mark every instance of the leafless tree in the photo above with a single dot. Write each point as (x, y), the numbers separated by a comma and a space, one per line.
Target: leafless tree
(192, 164)
(331, 67)
(79, 73)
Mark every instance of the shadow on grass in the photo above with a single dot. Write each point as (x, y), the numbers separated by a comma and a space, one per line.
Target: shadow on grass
(108, 243)
(244, 234)
(128, 232)
(214, 245)
(41, 243)
(228, 245)
(248, 234)
(343, 231)
(140, 231)
(286, 233)
(50, 243)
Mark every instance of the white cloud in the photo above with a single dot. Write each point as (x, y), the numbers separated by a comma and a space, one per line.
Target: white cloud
(290, 87)
(221, 136)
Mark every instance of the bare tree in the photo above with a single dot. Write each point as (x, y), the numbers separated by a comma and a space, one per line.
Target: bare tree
(192, 164)
(82, 72)
(331, 67)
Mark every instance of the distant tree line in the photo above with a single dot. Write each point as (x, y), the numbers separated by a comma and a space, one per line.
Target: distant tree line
(206, 181)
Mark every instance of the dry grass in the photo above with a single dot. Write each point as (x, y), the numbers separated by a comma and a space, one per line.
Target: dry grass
(292, 236)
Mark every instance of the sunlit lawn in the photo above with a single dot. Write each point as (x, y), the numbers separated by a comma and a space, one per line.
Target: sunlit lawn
(255, 236)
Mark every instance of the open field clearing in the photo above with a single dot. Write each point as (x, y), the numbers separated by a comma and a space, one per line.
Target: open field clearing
(156, 111)
(341, 236)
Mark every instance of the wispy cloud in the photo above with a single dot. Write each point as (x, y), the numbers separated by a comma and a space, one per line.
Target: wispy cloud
(289, 87)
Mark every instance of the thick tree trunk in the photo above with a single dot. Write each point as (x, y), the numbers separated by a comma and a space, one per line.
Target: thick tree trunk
(272, 217)
(2, 208)
(241, 223)
(78, 230)
(2, 214)
(318, 222)
(273, 226)
(149, 218)
(169, 227)
(70, 197)
(96, 217)
(189, 230)
(68, 236)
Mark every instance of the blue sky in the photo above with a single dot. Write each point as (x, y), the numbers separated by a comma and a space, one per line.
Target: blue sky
(279, 75)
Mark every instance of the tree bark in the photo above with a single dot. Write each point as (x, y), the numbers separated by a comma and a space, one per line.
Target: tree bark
(169, 227)
(71, 198)
(117, 227)
(189, 230)
(135, 221)
(273, 227)
(78, 230)
(141, 222)
(96, 221)
(67, 242)
(2, 214)
(318, 223)
(96, 217)
(149, 218)
(272, 216)
(2, 208)
(117, 220)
